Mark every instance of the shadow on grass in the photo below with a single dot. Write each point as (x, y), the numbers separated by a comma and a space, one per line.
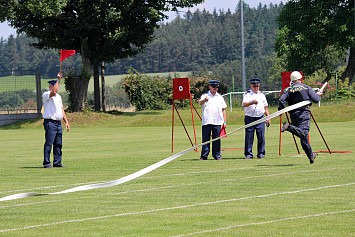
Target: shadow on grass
(276, 165)
(211, 159)
(18, 125)
(38, 167)
(116, 112)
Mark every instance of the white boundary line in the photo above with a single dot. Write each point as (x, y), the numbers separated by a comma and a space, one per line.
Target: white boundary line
(268, 222)
(174, 208)
(174, 186)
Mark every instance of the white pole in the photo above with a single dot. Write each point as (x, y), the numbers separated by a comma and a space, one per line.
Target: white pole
(243, 53)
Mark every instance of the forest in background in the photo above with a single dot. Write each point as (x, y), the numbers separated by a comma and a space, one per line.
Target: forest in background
(200, 41)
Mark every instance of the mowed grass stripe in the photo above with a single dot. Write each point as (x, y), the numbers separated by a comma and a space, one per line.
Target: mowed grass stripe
(178, 207)
(142, 177)
(83, 196)
(184, 174)
(266, 222)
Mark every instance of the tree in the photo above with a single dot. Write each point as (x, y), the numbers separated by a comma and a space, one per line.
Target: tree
(314, 34)
(5, 9)
(100, 30)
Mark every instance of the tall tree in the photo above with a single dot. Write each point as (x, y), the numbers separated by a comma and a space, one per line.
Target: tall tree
(101, 30)
(312, 31)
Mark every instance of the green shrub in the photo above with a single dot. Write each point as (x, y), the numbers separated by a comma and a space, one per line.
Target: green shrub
(154, 93)
(148, 93)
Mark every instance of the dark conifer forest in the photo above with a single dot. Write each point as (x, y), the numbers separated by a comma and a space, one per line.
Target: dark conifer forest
(202, 42)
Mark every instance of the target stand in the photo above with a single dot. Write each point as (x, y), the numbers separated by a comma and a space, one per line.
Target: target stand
(181, 90)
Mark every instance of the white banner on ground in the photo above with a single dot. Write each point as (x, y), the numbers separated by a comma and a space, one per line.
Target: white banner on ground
(153, 166)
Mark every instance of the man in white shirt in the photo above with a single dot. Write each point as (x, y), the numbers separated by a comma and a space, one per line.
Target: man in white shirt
(53, 114)
(213, 117)
(255, 106)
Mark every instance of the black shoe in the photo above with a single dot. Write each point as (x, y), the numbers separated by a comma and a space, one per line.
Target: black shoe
(311, 160)
(59, 166)
(261, 157)
(248, 157)
(202, 158)
(219, 158)
(284, 126)
(47, 166)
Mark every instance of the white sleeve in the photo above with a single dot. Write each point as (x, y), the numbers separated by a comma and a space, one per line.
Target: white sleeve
(265, 101)
(246, 98)
(45, 96)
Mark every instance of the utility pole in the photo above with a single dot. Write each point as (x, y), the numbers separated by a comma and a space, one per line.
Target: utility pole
(243, 53)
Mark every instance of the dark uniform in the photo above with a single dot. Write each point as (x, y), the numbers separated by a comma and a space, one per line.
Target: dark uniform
(300, 118)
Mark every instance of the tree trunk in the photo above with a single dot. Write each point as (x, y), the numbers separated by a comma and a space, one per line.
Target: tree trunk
(97, 87)
(79, 89)
(78, 86)
(103, 92)
(350, 68)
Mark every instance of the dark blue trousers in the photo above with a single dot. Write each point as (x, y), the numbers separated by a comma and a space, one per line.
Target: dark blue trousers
(300, 124)
(54, 133)
(216, 145)
(249, 137)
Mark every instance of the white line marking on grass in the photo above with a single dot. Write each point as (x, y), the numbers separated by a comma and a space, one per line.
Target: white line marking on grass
(166, 187)
(173, 208)
(267, 222)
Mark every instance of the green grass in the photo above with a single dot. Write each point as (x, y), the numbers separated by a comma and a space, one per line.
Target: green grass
(277, 196)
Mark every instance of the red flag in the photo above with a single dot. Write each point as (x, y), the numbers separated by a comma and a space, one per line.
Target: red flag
(223, 132)
(181, 88)
(65, 54)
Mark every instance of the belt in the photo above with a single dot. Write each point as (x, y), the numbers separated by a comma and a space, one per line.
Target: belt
(51, 120)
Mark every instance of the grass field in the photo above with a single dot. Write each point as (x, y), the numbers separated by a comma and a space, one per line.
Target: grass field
(277, 196)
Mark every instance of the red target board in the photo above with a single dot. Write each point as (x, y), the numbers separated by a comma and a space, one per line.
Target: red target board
(181, 88)
(286, 80)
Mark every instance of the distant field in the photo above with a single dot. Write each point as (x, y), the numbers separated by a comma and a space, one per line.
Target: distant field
(26, 82)
(11, 83)
(112, 80)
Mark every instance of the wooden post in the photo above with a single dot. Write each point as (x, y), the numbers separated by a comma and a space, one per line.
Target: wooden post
(38, 93)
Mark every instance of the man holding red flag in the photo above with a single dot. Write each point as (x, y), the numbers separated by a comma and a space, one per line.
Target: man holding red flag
(53, 113)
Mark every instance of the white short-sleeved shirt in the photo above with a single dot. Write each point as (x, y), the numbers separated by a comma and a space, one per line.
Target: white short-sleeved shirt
(212, 109)
(254, 110)
(52, 106)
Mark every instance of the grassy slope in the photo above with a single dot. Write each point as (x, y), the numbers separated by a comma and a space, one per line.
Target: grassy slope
(327, 112)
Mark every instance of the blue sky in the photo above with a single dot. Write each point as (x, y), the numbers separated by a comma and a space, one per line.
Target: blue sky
(209, 5)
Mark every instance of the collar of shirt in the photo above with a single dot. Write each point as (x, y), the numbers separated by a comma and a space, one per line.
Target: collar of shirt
(252, 92)
(211, 95)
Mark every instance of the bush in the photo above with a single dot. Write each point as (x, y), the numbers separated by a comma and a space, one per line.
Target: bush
(147, 93)
(156, 93)
(16, 99)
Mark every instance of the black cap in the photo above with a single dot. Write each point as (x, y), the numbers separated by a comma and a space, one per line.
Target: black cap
(214, 83)
(52, 82)
(255, 81)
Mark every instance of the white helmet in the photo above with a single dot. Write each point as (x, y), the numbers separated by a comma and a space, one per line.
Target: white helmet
(296, 75)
